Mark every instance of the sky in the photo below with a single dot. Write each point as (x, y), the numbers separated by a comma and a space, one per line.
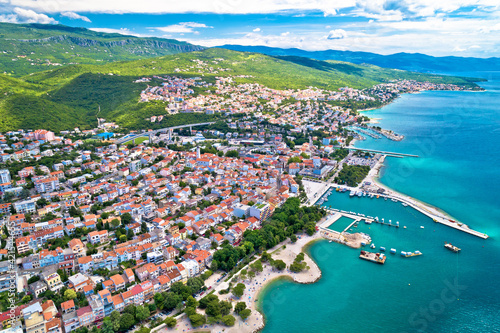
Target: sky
(469, 28)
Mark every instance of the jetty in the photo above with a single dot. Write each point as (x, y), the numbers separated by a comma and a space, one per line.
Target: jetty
(373, 135)
(388, 153)
(438, 219)
(355, 240)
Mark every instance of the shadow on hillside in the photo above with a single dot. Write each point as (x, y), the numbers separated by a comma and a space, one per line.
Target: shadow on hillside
(323, 65)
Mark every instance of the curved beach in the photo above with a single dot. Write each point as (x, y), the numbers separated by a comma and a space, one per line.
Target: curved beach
(287, 252)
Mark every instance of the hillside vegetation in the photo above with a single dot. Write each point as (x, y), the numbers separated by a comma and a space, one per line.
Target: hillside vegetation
(70, 96)
(31, 48)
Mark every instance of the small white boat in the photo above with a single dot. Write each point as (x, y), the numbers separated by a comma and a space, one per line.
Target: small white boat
(382, 249)
(393, 251)
(421, 227)
(372, 246)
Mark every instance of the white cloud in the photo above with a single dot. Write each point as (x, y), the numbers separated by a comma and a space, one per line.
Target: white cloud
(121, 31)
(22, 15)
(337, 34)
(183, 27)
(328, 7)
(458, 49)
(75, 16)
(256, 30)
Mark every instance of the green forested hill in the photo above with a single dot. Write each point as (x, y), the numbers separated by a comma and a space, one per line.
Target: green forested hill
(69, 96)
(31, 48)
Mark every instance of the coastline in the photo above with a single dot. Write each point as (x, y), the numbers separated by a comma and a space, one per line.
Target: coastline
(256, 287)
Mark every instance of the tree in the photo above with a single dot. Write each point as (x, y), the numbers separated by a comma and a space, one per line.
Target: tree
(159, 300)
(126, 321)
(189, 310)
(115, 320)
(197, 320)
(130, 234)
(195, 283)
(126, 218)
(191, 301)
(24, 193)
(107, 326)
(34, 278)
(141, 313)
(244, 314)
(225, 307)
(257, 266)
(214, 266)
(279, 264)
(238, 290)
(206, 274)
(206, 300)
(69, 294)
(144, 330)
(171, 300)
(251, 275)
(293, 238)
(131, 309)
(170, 322)
(213, 309)
(265, 256)
(115, 223)
(232, 153)
(240, 306)
(228, 320)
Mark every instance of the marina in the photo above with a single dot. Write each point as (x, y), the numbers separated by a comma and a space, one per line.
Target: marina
(405, 202)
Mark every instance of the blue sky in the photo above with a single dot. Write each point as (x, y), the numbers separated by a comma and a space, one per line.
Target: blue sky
(435, 27)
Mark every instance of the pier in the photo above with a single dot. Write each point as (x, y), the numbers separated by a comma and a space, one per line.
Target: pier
(398, 198)
(439, 219)
(375, 136)
(388, 153)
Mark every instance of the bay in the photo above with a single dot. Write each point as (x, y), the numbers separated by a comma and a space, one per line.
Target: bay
(456, 135)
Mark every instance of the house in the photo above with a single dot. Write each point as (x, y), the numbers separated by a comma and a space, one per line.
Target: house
(77, 247)
(38, 287)
(98, 237)
(78, 282)
(85, 316)
(34, 320)
(68, 306)
(118, 282)
(70, 321)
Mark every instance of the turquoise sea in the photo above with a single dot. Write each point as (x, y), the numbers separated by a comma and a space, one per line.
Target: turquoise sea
(456, 135)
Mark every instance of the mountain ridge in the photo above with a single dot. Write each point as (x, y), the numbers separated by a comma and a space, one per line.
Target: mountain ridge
(405, 61)
(31, 48)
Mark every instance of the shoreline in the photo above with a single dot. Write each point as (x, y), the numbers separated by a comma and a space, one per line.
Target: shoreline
(256, 287)
(286, 276)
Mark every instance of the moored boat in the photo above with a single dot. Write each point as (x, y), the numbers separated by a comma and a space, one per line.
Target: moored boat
(378, 258)
(451, 247)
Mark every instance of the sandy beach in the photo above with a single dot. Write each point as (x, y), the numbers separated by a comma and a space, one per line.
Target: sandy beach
(253, 287)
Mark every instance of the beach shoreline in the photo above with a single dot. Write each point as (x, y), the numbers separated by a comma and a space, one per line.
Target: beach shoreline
(256, 287)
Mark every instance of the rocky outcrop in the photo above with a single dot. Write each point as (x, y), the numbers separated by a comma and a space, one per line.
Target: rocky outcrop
(134, 45)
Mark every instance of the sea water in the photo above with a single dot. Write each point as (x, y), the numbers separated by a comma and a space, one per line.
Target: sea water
(456, 135)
